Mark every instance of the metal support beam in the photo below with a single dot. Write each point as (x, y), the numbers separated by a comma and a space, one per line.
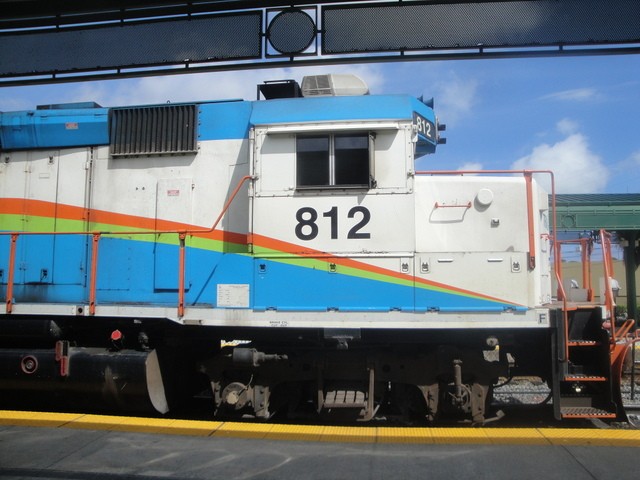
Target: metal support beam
(46, 42)
(619, 212)
(630, 267)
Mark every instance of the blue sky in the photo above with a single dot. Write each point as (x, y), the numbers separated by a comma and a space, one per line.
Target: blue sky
(577, 116)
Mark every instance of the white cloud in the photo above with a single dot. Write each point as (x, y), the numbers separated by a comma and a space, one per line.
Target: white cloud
(470, 166)
(576, 168)
(456, 97)
(573, 95)
(567, 126)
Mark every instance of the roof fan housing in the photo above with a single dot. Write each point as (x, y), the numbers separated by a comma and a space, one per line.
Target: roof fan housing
(333, 85)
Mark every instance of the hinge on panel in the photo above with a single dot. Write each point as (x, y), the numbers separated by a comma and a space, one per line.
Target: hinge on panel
(62, 357)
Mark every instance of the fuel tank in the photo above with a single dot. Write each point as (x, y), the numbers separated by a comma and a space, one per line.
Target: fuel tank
(91, 379)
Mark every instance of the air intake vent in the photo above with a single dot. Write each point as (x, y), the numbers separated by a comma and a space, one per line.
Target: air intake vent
(333, 85)
(316, 85)
(162, 130)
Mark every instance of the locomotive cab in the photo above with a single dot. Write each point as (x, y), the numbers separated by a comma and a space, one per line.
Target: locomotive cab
(335, 188)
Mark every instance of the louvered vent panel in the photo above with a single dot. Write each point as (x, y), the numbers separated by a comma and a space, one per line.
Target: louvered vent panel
(162, 130)
(315, 85)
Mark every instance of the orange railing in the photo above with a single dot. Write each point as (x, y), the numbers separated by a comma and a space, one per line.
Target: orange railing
(609, 301)
(586, 248)
(96, 236)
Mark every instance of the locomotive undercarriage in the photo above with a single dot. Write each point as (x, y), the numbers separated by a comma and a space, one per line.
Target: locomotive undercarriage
(355, 381)
(154, 366)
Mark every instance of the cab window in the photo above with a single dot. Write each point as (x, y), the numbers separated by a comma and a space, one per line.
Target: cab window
(333, 160)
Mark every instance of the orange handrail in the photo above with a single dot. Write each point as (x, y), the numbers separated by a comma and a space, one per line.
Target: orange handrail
(532, 242)
(10, 274)
(586, 247)
(181, 272)
(94, 273)
(182, 233)
(607, 263)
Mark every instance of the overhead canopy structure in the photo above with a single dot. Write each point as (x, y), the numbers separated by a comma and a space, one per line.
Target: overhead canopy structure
(45, 41)
(618, 211)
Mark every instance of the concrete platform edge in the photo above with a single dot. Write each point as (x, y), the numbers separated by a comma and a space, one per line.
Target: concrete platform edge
(338, 434)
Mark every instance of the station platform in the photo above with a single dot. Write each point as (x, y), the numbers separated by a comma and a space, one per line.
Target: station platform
(76, 446)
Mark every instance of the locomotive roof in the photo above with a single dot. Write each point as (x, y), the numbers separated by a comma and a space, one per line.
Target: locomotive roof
(88, 124)
(327, 109)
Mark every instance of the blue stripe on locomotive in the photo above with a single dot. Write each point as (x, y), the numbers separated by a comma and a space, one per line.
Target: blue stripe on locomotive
(281, 286)
(147, 273)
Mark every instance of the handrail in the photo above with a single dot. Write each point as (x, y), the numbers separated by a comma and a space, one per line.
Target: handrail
(530, 220)
(586, 248)
(625, 328)
(442, 205)
(182, 234)
(605, 239)
(587, 282)
(94, 273)
(10, 274)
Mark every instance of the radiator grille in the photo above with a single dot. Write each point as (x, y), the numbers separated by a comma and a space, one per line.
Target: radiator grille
(166, 129)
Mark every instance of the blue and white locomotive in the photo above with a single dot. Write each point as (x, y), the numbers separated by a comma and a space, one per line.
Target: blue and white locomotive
(134, 240)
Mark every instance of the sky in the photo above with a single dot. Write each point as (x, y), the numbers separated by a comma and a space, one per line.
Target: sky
(577, 116)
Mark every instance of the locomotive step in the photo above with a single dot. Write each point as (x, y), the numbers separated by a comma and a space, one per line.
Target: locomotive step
(583, 343)
(585, 412)
(345, 399)
(574, 377)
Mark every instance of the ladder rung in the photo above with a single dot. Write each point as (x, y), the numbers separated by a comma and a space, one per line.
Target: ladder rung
(345, 399)
(583, 343)
(585, 412)
(584, 378)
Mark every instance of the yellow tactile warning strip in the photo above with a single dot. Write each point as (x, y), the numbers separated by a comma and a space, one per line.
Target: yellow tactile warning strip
(487, 436)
